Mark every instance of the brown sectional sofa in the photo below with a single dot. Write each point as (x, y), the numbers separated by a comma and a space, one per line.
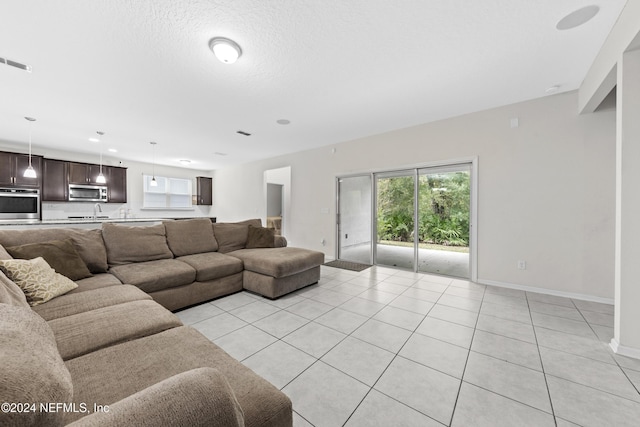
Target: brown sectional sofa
(111, 343)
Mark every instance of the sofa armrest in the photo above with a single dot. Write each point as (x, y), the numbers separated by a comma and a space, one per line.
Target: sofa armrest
(279, 241)
(199, 397)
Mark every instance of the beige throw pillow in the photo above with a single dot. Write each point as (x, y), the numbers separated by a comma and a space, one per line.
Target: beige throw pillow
(37, 279)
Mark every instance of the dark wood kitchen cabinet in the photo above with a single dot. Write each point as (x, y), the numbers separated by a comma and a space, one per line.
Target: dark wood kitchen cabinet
(204, 191)
(12, 167)
(116, 184)
(84, 173)
(55, 182)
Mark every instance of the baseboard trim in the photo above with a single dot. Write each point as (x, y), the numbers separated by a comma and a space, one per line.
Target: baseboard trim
(546, 291)
(624, 351)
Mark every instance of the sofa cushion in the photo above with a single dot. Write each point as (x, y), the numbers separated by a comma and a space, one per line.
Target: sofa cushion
(200, 397)
(101, 280)
(152, 276)
(89, 331)
(32, 369)
(127, 244)
(212, 265)
(192, 236)
(279, 262)
(146, 361)
(36, 278)
(4, 254)
(74, 303)
(91, 248)
(260, 237)
(61, 255)
(10, 293)
(232, 236)
(88, 243)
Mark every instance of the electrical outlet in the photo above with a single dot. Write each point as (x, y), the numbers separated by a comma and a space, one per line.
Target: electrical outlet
(522, 265)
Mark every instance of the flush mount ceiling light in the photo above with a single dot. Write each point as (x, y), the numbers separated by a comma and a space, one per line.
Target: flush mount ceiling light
(225, 50)
(30, 172)
(577, 18)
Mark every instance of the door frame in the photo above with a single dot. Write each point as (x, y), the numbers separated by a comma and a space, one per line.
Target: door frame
(473, 207)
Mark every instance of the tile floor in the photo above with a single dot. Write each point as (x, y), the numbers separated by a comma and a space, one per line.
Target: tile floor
(387, 347)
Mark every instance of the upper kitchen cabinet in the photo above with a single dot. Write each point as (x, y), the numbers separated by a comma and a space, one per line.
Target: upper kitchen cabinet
(83, 173)
(116, 184)
(55, 183)
(12, 167)
(204, 191)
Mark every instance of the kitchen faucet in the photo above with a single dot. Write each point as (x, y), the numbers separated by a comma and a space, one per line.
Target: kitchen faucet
(96, 208)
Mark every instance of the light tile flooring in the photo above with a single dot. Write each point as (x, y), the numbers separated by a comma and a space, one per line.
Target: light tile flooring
(387, 347)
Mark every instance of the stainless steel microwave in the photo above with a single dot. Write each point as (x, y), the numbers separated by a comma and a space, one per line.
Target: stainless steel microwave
(19, 203)
(87, 193)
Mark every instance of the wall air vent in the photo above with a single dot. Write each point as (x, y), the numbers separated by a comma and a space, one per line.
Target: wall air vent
(15, 64)
(241, 132)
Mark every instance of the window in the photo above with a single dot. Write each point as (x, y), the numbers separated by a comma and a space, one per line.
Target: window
(170, 193)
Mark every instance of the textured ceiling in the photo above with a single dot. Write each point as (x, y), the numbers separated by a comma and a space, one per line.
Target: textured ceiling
(141, 70)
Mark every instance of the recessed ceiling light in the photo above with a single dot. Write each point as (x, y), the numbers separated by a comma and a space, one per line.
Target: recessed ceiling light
(226, 50)
(94, 140)
(185, 161)
(577, 17)
(217, 153)
(283, 121)
(112, 150)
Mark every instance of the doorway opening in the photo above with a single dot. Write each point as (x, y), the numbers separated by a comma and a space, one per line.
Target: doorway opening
(277, 193)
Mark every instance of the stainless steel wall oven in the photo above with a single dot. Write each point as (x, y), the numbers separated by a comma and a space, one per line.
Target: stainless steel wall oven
(19, 203)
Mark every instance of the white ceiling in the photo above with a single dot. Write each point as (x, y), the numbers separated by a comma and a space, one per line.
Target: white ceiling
(338, 70)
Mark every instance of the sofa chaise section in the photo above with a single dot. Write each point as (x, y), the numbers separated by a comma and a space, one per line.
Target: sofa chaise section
(274, 272)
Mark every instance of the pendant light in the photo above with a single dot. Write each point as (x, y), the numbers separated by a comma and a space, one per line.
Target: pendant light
(30, 172)
(100, 179)
(153, 182)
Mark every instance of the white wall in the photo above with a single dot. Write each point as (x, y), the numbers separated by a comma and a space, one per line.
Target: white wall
(546, 189)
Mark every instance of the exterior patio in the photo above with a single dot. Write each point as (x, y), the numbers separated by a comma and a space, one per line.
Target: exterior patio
(446, 263)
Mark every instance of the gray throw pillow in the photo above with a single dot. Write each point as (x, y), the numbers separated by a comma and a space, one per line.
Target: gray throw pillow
(61, 255)
(260, 237)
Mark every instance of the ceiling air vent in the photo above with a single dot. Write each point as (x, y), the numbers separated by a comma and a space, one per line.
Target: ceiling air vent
(15, 64)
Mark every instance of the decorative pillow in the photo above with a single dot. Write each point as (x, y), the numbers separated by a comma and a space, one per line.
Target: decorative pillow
(37, 279)
(260, 237)
(61, 255)
(126, 244)
(232, 236)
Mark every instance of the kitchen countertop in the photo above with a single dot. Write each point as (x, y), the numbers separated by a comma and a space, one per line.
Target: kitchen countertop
(66, 221)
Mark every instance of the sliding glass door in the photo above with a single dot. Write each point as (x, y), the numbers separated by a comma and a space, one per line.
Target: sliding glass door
(395, 213)
(443, 220)
(416, 219)
(354, 219)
